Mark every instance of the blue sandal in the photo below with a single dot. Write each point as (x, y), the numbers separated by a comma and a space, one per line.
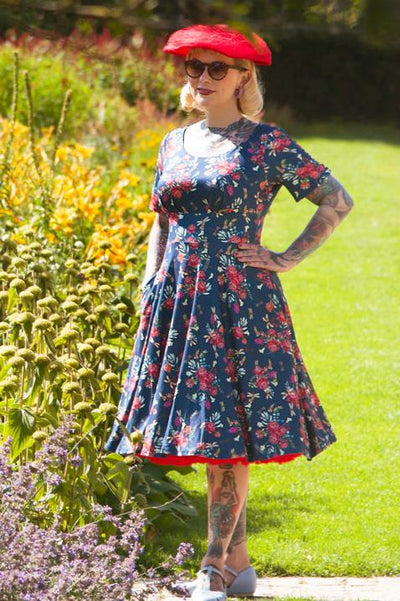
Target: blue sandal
(202, 590)
(243, 585)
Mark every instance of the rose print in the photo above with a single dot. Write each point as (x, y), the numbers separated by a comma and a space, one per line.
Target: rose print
(215, 369)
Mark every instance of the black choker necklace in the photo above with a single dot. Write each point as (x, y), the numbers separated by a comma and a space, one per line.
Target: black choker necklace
(227, 129)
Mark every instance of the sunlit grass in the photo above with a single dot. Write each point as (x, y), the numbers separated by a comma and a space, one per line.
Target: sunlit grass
(338, 514)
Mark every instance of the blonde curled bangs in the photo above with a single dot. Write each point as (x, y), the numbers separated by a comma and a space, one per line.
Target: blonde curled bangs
(251, 102)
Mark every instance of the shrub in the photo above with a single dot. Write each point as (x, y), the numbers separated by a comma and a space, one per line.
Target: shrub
(109, 84)
(51, 78)
(41, 562)
(68, 316)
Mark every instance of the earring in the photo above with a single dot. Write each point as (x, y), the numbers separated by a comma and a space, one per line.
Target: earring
(238, 92)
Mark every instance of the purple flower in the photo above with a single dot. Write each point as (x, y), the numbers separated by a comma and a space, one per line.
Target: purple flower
(75, 461)
(43, 562)
(185, 550)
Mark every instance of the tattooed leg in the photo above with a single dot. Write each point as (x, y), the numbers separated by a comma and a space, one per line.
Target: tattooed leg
(239, 534)
(227, 491)
(237, 554)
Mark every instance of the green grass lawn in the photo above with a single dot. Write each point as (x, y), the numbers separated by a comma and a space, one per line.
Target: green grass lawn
(338, 514)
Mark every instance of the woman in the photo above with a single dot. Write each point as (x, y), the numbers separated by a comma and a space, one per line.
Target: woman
(216, 374)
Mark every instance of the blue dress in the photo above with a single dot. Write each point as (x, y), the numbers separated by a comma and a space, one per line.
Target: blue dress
(216, 374)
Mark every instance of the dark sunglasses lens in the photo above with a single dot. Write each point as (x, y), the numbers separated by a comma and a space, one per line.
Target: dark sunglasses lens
(194, 68)
(218, 70)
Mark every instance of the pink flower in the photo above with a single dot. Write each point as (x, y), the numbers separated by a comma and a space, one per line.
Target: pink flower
(154, 369)
(237, 331)
(262, 383)
(280, 145)
(154, 332)
(168, 303)
(273, 345)
(225, 167)
(205, 377)
(192, 242)
(176, 192)
(310, 170)
(286, 345)
(216, 339)
(193, 260)
(209, 427)
(201, 286)
(230, 370)
(180, 439)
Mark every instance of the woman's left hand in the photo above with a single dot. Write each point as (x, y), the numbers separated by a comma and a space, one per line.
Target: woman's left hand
(255, 255)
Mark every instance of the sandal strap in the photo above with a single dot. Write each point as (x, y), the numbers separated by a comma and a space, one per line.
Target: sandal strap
(232, 571)
(211, 568)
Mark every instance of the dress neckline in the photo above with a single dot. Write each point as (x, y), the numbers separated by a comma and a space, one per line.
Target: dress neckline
(222, 154)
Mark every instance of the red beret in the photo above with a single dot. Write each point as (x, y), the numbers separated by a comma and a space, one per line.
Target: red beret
(222, 39)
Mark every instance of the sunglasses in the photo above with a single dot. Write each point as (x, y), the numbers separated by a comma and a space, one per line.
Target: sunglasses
(216, 70)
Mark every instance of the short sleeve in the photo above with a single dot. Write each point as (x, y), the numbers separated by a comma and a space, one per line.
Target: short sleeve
(299, 172)
(155, 202)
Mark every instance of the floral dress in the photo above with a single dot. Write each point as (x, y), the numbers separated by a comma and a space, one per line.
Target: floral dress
(216, 373)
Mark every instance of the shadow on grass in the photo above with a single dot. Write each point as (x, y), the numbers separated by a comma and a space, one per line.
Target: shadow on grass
(275, 511)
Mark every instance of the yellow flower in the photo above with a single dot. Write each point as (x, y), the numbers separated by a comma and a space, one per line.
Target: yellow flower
(63, 220)
(61, 153)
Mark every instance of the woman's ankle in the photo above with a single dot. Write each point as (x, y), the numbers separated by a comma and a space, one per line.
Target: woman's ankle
(211, 561)
(238, 561)
(217, 582)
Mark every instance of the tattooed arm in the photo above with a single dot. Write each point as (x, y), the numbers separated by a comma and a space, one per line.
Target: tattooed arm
(156, 246)
(334, 204)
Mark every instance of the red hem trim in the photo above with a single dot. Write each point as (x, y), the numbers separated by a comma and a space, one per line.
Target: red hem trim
(189, 459)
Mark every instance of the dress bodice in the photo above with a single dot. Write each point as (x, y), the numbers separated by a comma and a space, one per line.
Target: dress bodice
(244, 179)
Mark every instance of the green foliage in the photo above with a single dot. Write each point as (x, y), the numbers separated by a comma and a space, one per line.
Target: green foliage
(61, 354)
(104, 93)
(51, 77)
(67, 326)
(373, 20)
(153, 80)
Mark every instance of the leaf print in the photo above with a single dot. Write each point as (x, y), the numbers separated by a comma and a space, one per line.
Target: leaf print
(215, 371)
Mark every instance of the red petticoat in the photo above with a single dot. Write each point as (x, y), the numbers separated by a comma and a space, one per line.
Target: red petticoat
(189, 459)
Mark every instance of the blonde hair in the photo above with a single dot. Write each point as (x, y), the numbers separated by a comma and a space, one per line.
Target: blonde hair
(251, 102)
